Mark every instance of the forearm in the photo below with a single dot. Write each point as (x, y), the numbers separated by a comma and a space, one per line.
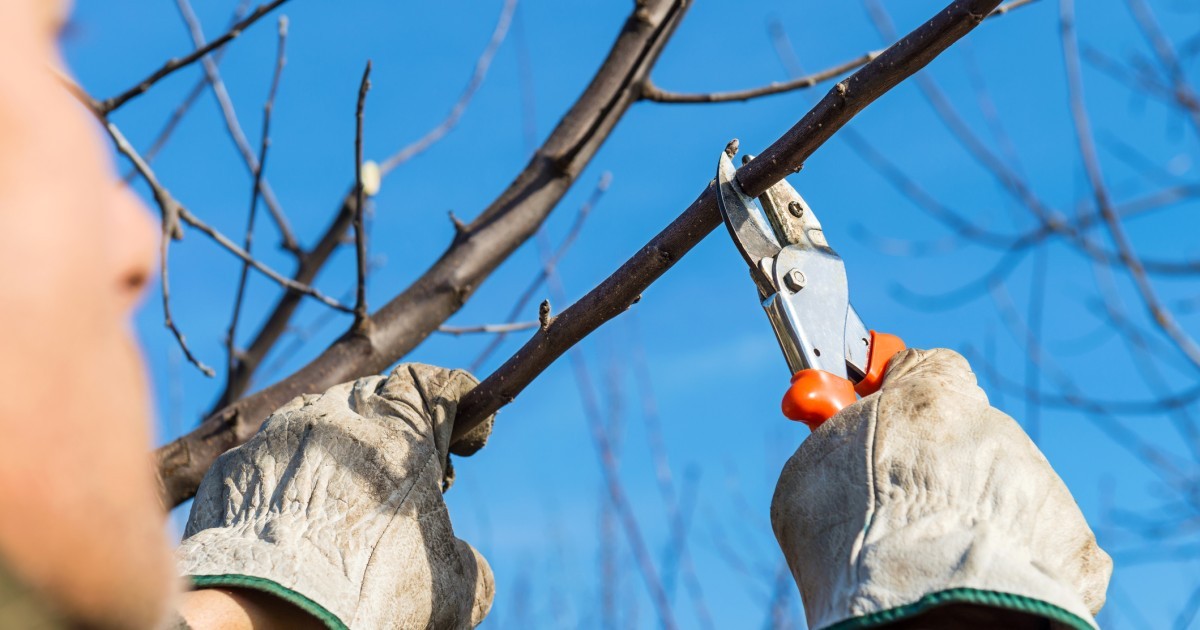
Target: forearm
(240, 609)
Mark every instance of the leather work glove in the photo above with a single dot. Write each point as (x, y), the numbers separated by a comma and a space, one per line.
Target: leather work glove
(923, 506)
(336, 506)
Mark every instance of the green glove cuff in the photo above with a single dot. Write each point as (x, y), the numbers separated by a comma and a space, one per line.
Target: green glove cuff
(264, 585)
(1061, 617)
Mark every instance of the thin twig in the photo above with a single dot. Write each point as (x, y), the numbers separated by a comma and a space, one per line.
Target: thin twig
(481, 69)
(176, 117)
(233, 126)
(173, 210)
(605, 450)
(1154, 458)
(1159, 312)
(256, 190)
(164, 247)
(499, 329)
(170, 210)
(360, 238)
(187, 217)
(106, 106)
(1164, 52)
(678, 554)
(652, 92)
(547, 268)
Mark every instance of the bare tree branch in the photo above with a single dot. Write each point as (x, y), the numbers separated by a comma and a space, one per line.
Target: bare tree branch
(187, 217)
(172, 122)
(620, 290)
(311, 263)
(487, 241)
(360, 238)
(1164, 52)
(547, 268)
(678, 556)
(499, 329)
(106, 106)
(1158, 311)
(164, 248)
(173, 212)
(229, 115)
(651, 92)
(481, 68)
(260, 165)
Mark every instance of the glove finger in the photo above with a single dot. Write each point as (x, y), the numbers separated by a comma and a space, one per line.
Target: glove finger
(434, 392)
(940, 368)
(480, 601)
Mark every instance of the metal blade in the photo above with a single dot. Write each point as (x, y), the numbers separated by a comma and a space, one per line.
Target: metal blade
(748, 227)
(793, 219)
(858, 345)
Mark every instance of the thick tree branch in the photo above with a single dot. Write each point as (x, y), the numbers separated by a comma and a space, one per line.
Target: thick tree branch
(624, 287)
(486, 242)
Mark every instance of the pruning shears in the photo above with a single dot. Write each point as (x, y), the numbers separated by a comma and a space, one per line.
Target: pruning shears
(801, 283)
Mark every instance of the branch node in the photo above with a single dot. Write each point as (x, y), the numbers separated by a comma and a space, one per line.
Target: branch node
(460, 228)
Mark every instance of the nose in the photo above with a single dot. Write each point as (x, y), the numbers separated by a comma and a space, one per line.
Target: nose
(134, 243)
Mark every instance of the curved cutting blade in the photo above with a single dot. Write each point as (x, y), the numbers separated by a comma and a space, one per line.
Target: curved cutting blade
(751, 232)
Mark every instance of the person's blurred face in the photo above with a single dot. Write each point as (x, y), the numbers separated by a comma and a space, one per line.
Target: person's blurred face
(79, 515)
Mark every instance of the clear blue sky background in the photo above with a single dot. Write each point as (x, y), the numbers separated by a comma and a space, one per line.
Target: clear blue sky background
(533, 501)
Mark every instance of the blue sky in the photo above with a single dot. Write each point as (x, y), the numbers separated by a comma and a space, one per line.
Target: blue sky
(532, 501)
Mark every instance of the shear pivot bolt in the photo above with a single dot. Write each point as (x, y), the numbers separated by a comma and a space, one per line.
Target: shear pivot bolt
(795, 280)
(796, 209)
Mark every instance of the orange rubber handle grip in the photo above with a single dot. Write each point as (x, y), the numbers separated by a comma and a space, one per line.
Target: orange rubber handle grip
(815, 396)
(883, 348)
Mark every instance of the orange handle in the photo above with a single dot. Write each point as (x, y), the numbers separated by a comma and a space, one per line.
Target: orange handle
(815, 396)
(883, 348)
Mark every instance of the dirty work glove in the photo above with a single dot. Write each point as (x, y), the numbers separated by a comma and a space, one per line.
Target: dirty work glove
(922, 504)
(336, 506)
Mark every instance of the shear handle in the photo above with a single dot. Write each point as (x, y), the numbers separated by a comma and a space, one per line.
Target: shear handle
(816, 395)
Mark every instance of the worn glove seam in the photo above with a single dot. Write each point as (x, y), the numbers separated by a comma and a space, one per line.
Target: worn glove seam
(873, 497)
(393, 520)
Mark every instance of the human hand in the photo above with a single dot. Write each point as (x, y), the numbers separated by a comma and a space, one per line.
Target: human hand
(922, 500)
(336, 506)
